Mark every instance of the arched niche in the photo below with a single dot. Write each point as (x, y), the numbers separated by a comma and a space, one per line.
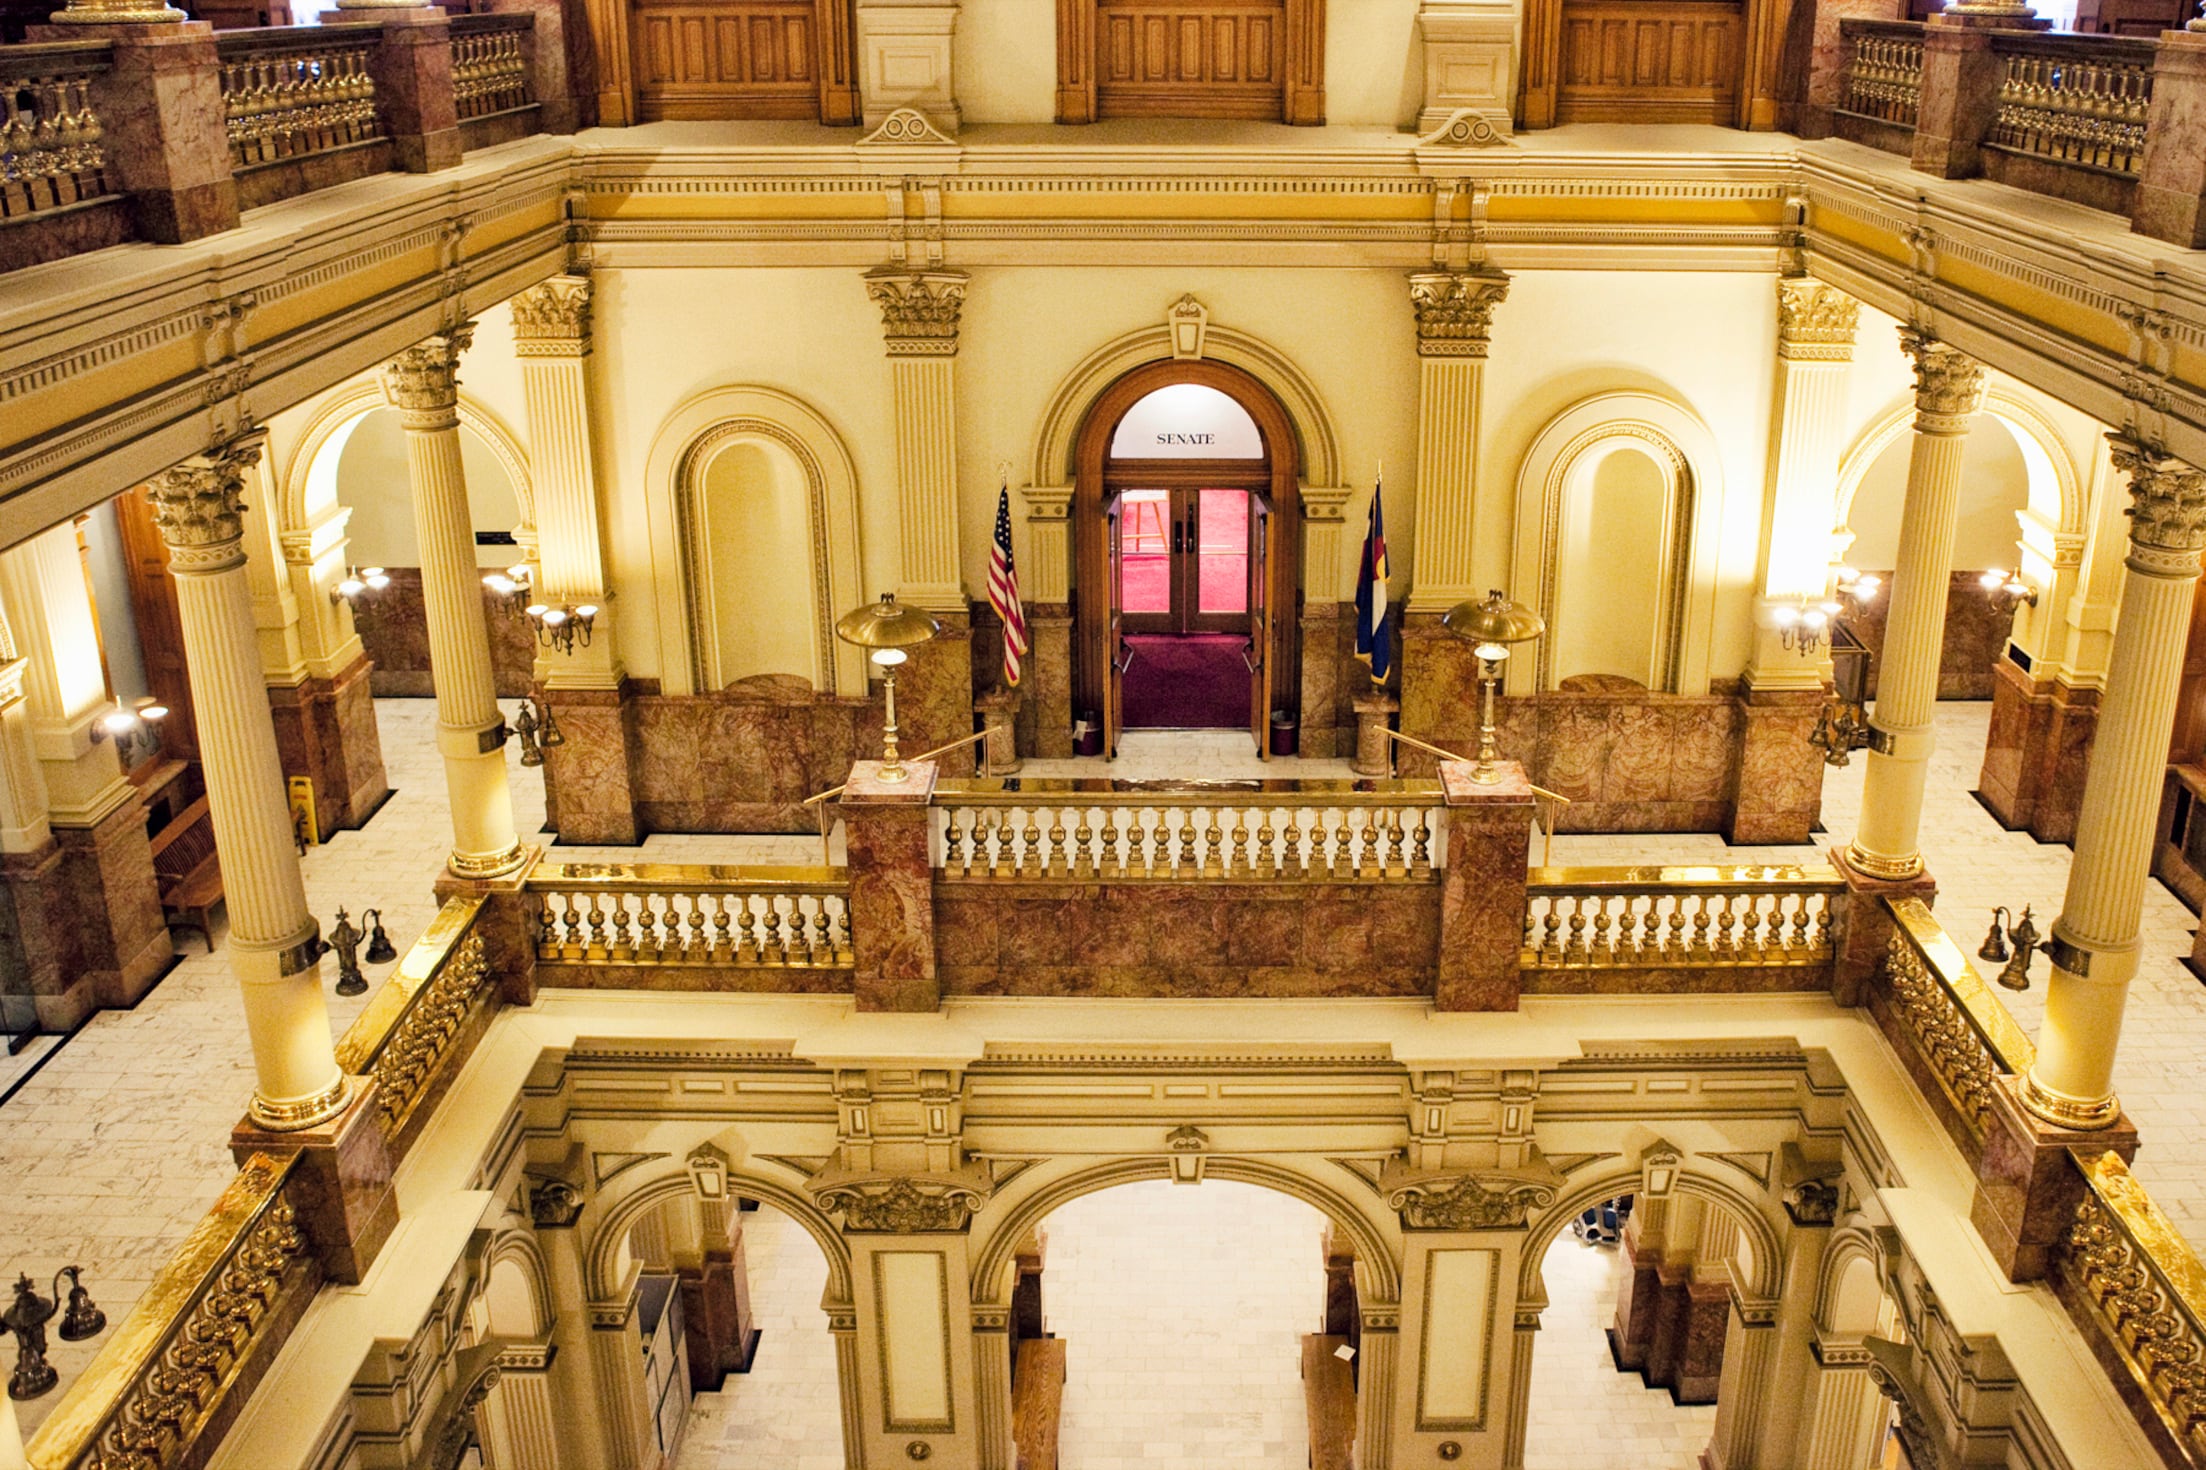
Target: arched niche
(787, 432)
(749, 521)
(2054, 500)
(1658, 459)
(309, 487)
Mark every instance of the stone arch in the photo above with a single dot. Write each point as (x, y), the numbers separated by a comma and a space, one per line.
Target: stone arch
(1572, 444)
(620, 1216)
(339, 414)
(2056, 497)
(1767, 1283)
(519, 1248)
(1849, 1251)
(685, 444)
(1378, 1259)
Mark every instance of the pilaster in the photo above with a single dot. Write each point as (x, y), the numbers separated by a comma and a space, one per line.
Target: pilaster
(1045, 571)
(919, 317)
(313, 662)
(1454, 317)
(49, 607)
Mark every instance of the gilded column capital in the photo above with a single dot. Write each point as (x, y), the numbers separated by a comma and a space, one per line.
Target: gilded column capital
(199, 506)
(919, 310)
(2167, 509)
(423, 382)
(1815, 322)
(1455, 312)
(1949, 384)
(552, 319)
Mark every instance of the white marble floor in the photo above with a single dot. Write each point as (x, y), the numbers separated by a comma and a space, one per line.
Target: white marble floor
(1583, 1412)
(785, 1413)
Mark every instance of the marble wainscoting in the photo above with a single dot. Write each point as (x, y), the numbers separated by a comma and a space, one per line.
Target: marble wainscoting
(934, 695)
(1331, 680)
(2036, 752)
(1976, 633)
(325, 731)
(394, 628)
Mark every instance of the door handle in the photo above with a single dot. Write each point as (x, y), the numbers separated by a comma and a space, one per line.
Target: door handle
(1122, 665)
(1178, 543)
(1246, 650)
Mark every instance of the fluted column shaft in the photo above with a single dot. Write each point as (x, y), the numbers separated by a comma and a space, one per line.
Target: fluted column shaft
(1949, 390)
(274, 943)
(920, 313)
(423, 383)
(1454, 317)
(551, 335)
(2094, 942)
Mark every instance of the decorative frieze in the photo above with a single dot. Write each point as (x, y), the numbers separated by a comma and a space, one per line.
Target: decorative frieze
(1949, 384)
(1455, 312)
(1479, 1200)
(903, 1204)
(199, 506)
(2167, 509)
(423, 382)
(919, 310)
(1815, 322)
(553, 319)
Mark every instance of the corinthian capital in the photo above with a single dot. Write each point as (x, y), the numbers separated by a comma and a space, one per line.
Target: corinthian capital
(423, 382)
(1454, 312)
(2167, 509)
(919, 310)
(1949, 384)
(199, 506)
(1815, 322)
(553, 319)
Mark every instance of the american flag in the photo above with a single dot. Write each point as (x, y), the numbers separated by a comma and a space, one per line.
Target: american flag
(1003, 589)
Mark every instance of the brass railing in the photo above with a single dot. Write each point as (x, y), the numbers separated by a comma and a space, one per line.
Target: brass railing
(1962, 1031)
(489, 70)
(50, 134)
(2074, 99)
(402, 1036)
(1663, 918)
(675, 914)
(298, 90)
(2127, 1267)
(1271, 831)
(1884, 70)
(172, 1368)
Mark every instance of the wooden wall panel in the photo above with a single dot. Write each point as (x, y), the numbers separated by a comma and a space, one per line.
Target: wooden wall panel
(734, 59)
(1636, 61)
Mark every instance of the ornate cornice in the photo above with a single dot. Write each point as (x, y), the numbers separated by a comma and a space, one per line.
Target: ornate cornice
(1455, 312)
(1949, 384)
(2167, 509)
(902, 1203)
(1815, 322)
(919, 310)
(200, 507)
(553, 319)
(423, 382)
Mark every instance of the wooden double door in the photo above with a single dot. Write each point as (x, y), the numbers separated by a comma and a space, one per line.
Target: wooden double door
(697, 59)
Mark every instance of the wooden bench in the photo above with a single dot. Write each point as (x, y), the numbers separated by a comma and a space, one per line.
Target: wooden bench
(1329, 1394)
(1037, 1399)
(188, 870)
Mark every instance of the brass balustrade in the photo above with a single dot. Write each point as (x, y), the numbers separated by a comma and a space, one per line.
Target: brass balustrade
(2075, 100)
(403, 1034)
(1884, 70)
(1962, 1031)
(1304, 831)
(1667, 918)
(677, 914)
(489, 69)
(172, 1369)
(2132, 1274)
(291, 92)
(50, 135)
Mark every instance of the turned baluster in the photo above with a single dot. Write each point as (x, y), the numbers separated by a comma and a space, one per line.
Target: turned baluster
(1551, 940)
(953, 842)
(1083, 861)
(1673, 942)
(1186, 862)
(747, 951)
(1701, 919)
(1058, 861)
(1604, 942)
(722, 943)
(1726, 941)
(1030, 843)
(773, 942)
(823, 932)
(1267, 842)
(1420, 853)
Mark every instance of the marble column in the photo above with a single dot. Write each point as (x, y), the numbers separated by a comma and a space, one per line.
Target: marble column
(423, 384)
(1949, 390)
(274, 943)
(2094, 942)
(920, 311)
(590, 780)
(117, 941)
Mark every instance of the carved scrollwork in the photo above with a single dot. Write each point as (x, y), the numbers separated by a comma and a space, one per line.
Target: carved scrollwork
(199, 506)
(423, 382)
(409, 1059)
(903, 1203)
(554, 1204)
(919, 310)
(552, 319)
(1949, 384)
(1455, 312)
(2145, 1320)
(2167, 508)
(1815, 322)
(1955, 1052)
(1469, 1201)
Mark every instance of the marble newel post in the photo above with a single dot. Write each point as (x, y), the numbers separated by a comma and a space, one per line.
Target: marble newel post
(1949, 390)
(1779, 779)
(2094, 942)
(589, 781)
(1482, 888)
(919, 321)
(1439, 673)
(274, 942)
(423, 384)
(885, 827)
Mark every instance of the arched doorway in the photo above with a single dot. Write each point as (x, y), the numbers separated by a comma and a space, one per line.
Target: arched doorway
(1187, 535)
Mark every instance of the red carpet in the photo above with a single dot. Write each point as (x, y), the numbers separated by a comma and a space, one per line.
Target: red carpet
(1193, 681)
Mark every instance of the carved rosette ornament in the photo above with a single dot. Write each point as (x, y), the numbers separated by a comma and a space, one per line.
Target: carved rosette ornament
(200, 507)
(1949, 384)
(423, 382)
(2167, 510)
(903, 1204)
(919, 310)
(1469, 1201)
(1815, 322)
(553, 319)
(1455, 312)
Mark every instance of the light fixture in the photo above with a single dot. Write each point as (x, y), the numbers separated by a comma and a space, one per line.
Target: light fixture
(512, 587)
(1842, 725)
(2008, 589)
(1802, 624)
(1857, 587)
(2025, 938)
(356, 582)
(886, 629)
(564, 626)
(135, 731)
(1490, 627)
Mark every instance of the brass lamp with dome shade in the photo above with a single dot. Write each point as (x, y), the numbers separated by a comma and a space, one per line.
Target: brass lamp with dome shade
(1491, 627)
(886, 630)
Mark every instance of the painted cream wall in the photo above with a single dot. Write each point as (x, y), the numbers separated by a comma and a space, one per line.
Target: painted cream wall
(1005, 58)
(1609, 578)
(1995, 484)
(1564, 336)
(372, 480)
(757, 533)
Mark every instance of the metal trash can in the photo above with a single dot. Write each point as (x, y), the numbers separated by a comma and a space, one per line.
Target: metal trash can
(1087, 733)
(1286, 733)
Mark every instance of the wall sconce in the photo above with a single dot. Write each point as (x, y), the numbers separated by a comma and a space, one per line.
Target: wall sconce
(564, 626)
(2008, 589)
(356, 582)
(1802, 625)
(1490, 627)
(2023, 935)
(1859, 588)
(1842, 725)
(512, 587)
(535, 728)
(136, 731)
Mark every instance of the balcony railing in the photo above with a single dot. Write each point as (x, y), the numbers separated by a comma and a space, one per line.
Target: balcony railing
(594, 921)
(1961, 1034)
(421, 1020)
(1702, 919)
(51, 155)
(1883, 80)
